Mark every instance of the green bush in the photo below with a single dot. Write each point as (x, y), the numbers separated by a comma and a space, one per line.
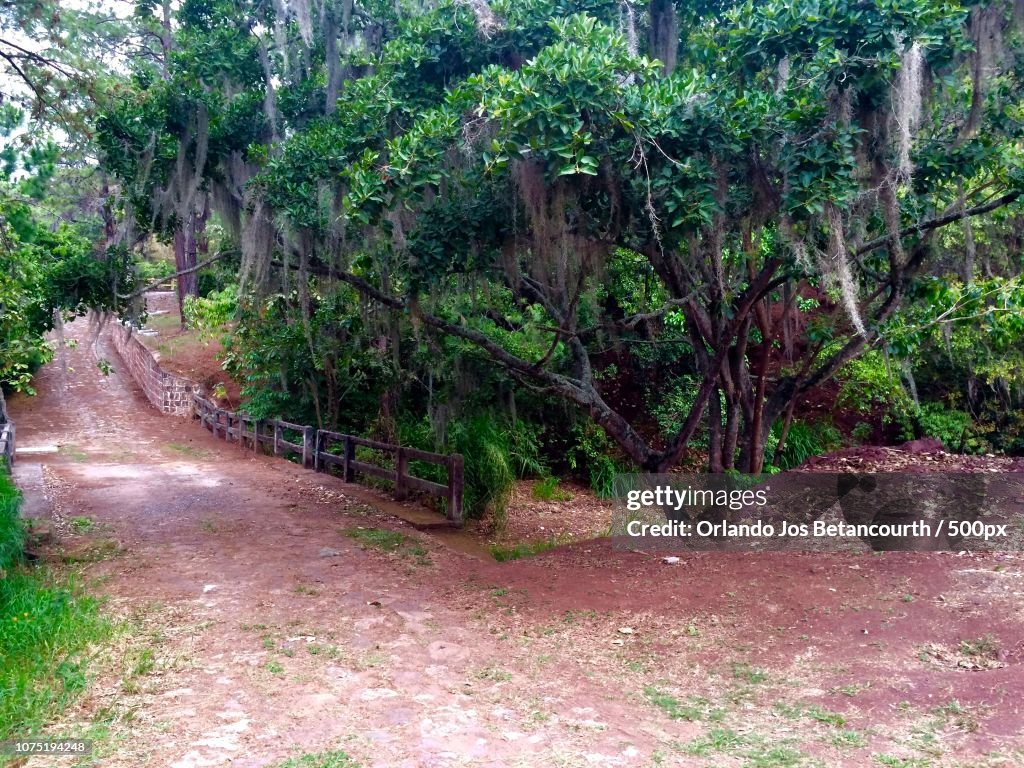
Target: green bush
(212, 313)
(805, 439)
(152, 270)
(495, 452)
(949, 425)
(592, 453)
(489, 466)
(868, 383)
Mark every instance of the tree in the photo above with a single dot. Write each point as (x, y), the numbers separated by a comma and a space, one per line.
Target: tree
(484, 169)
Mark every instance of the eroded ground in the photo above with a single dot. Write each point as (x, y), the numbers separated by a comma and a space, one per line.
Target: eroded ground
(271, 612)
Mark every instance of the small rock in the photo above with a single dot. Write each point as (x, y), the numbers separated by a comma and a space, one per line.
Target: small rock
(670, 560)
(626, 630)
(328, 552)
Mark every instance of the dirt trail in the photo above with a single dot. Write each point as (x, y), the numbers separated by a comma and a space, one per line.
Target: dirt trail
(259, 628)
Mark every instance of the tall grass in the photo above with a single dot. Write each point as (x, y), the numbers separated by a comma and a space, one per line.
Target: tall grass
(12, 534)
(47, 629)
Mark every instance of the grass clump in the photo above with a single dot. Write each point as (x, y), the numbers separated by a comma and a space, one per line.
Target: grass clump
(693, 709)
(332, 759)
(390, 541)
(47, 627)
(503, 553)
(546, 489)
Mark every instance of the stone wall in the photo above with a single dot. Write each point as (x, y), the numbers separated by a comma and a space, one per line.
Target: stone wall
(169, 393)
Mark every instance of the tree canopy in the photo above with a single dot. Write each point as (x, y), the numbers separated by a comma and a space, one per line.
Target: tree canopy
(579, 199)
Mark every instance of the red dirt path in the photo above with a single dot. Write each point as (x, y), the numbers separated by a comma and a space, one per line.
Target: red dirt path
(274, 633)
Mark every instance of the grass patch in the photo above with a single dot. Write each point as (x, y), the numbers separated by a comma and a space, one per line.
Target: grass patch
(188, 450)
(900, 762)
(984, 647)
(496, 674)
(390, 541)
(849, 739)
(547, 490)
(47, 627)
(72, 452)
(502, 553)
(104, 549)
(693, 709)
(756, 751)
(82, 524)
(333, 759)
(744, 671)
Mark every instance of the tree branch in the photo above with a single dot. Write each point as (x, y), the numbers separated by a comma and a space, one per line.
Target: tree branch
(216, 257)
(941, 221)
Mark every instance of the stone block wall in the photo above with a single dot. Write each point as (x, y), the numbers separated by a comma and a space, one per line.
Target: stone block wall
(168, 392)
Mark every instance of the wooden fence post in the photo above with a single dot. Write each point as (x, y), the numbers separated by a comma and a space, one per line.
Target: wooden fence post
(277, 439)
(455, 484)
(257, 432)
(215, 421)
(348, 471)
(318, 446)
(308, 446)
(401, 473)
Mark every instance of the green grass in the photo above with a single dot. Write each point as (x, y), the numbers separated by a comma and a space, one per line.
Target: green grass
(390, 541)
(378, 538)
(188, 450)
(82, 524)
(983, 646)
(12, 532)
(333, 759)
(693, 709)
(503, 553)
(748, 673)
(547, 490)
(47, 630)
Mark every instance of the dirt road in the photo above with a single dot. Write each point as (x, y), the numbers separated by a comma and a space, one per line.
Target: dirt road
(271, 612)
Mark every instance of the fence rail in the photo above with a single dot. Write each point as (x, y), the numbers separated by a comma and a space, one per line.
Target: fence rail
(314, 445)
(6, 436)
(7, 443)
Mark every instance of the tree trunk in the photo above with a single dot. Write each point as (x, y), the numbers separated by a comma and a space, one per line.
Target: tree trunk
(186, 245)
(715, 432)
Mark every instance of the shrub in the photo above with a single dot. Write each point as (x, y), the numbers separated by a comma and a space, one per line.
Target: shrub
(805, 439)
(949, 425)
(592, 453)
(489, 466)
(868, 383)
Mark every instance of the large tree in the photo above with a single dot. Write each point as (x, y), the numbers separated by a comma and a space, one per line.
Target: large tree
(485, 170)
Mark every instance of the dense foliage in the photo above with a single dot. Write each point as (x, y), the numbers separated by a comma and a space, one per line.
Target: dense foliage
(630, 234)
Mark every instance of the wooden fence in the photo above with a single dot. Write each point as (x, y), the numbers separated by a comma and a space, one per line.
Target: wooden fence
(314, 446)
(6, 436)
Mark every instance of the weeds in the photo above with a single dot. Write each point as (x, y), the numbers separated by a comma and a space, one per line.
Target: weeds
(390, 541)
(525, 549)
(547, 489)
(695, 708)
(82, 524)
(333, 759)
